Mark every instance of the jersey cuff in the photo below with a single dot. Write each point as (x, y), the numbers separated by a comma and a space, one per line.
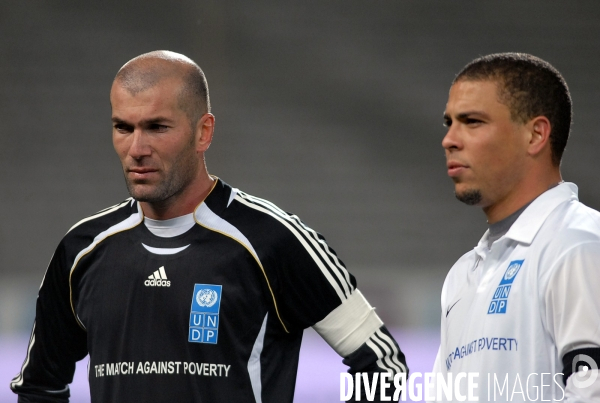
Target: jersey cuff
(576, 360)
(350, 325)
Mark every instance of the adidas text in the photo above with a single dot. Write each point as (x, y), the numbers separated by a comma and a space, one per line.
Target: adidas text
(158, 279)
(157, 283)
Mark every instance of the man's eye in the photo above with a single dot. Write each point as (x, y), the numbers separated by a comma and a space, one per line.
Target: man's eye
(447, 123)
(158, 128)
(122, 128)
(470, 121)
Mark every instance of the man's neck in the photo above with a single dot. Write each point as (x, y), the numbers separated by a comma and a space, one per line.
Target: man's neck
(180, 204)
(498, 229)
(519, 198)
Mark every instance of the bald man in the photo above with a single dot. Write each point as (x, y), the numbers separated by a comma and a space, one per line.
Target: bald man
(190, 290)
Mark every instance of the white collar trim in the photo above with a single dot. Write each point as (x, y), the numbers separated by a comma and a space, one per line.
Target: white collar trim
(172, 227)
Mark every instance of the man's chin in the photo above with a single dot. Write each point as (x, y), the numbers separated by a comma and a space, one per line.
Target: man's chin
(144, 193)
(470, 197)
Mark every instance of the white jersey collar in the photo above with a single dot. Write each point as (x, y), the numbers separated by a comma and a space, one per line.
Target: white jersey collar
(170, 228)
(531, 220)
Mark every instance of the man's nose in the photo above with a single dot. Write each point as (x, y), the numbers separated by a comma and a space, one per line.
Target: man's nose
(139, 145)
(452, 139)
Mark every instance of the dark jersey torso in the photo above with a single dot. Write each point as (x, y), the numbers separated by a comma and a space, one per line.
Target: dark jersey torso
(213, 315)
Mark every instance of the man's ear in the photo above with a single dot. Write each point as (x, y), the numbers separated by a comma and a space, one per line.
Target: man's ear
(204, 132)
(539, 140)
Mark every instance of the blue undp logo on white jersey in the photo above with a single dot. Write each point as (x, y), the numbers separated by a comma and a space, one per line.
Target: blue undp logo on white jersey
(500, 299)
(204, 316)
(511, 272)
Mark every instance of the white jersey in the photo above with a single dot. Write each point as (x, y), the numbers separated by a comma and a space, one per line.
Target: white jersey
(511, 312)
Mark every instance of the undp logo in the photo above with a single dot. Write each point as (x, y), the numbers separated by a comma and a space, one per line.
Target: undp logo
(500, 299)
(204, 315)
(512, 271)
(207, 297)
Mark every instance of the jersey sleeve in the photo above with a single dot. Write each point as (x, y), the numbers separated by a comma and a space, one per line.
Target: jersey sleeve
(573, 318)
(57, 341)
(315, 289)
(310, 279)
(312, 287)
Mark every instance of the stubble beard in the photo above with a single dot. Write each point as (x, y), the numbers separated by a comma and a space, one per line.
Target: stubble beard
(471, 197)
(175, 181)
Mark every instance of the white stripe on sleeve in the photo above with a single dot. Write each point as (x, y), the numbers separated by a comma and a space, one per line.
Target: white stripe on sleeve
(311, 251)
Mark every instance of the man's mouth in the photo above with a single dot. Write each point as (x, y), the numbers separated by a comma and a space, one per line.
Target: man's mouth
(141, 173)
(455, 168)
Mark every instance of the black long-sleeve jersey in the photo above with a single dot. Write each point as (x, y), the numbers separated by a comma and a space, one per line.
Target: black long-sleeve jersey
(212, 315)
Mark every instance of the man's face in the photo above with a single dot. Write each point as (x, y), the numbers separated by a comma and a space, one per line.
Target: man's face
(485, 149)
(154, 140)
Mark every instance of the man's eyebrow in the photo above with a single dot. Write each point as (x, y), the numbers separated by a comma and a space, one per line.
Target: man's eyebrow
(470, 114)
(466, 115)
(156, 120)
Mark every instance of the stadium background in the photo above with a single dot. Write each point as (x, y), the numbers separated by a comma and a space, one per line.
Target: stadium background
(332, 110)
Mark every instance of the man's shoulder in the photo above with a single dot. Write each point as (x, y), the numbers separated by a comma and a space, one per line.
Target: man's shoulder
(583, 217)
(235, 205)
(261, 221)
(571, 224)
(229, 202)
(467, 259)
(259, 207)
(568, 235)
(104, 220)
(460, 269)
(94, 229)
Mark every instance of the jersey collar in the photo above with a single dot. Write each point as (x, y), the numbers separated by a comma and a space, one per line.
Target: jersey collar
(219, 197)
(531, 220)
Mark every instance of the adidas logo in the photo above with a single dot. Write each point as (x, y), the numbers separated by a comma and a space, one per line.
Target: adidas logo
(158, 279)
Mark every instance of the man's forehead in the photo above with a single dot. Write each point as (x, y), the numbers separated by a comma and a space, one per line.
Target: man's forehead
(471, 87)
(166, 87)
(161, 99)
(473, 93)
(145, 80)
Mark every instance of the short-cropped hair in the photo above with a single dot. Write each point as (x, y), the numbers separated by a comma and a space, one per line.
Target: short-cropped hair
(529, 87)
